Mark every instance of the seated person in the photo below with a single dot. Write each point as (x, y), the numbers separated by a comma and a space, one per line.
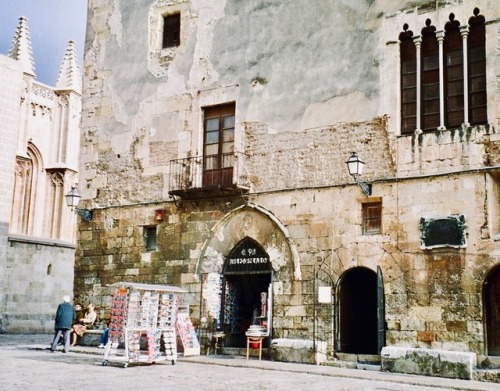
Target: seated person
(83, 324)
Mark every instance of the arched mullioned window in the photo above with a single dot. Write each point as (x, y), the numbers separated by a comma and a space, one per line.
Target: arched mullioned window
(476, 43)
(55, 202)
(421, 105)
(430, 77)
(25, 192)
(454, 74)
(408, 81)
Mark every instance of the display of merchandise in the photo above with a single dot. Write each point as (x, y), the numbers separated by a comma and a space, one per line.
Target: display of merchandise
(134, 302)
(145, 321)
(170, 342)
(230, 305)
(167, 310)
(187, 333)
(211, 293)
(118, 315)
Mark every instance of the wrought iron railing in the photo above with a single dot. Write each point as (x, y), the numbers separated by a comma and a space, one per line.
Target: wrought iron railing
(208, 172)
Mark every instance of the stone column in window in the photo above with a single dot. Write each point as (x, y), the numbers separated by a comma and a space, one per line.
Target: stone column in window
(464, 30)
(418, 44)
(440, 39)
(61, 145)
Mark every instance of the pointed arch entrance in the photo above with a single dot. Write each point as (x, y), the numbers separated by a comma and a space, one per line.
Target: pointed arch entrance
(251, 248)
(358, 312)
(491, 305)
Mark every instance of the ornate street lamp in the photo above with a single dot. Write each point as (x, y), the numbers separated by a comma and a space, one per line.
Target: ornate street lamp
(355, 166)
(72, 200)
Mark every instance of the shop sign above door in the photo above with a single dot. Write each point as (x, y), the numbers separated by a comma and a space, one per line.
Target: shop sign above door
(247, 257)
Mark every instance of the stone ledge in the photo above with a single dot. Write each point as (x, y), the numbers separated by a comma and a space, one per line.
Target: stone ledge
(429, 362)
(90, 338)
(487, 375)
(297, 350)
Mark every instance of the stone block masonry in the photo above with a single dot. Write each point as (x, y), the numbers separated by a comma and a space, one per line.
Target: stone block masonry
(441, 363)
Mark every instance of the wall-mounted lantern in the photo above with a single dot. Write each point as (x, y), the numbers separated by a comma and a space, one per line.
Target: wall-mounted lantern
(72, 200)
(355, 166)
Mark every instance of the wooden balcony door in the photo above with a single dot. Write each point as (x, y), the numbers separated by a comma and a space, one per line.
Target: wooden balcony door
(218, 146)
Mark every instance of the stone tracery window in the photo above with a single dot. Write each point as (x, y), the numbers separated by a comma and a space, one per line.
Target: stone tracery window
(24, 197)
(454, 74)
(443, 75)
(477, 69)
(55, 202)
(430, 78)
(408, 81)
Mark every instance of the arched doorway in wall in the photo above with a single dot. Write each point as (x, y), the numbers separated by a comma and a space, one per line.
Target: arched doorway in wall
(359, 315)
(491, 305)
(246, 294)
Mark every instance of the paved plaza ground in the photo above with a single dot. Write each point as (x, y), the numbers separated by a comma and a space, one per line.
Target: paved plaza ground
(26, 364)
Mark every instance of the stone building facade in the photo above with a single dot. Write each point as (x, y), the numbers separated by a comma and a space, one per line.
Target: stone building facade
(214, 143)
(40, 146)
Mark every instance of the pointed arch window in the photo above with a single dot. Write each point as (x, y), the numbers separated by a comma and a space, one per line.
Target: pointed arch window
(454, 75)
(55, 202)
(477, 69)
(443, 76)
(408, 82)
(430, 78)
(24, 198)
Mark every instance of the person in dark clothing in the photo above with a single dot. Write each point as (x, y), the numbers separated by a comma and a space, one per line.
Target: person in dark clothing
(65, 315)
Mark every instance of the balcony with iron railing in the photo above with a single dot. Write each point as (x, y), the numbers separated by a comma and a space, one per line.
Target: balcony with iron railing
(209, 176)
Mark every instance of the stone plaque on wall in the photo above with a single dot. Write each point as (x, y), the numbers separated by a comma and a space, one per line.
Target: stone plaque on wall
(446, 231)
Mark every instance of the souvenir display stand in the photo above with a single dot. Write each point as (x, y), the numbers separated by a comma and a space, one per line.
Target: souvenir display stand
(187, 333)
(143, 310)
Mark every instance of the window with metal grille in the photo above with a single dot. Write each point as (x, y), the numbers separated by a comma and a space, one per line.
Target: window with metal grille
(171, 31)
(372, 218)
(150, 238)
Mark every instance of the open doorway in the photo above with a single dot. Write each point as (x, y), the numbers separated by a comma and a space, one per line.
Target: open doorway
(357, 312)
(245, 301)
(491, 305)
(242, 305)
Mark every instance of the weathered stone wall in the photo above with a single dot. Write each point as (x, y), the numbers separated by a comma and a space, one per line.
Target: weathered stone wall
(37, 275)
(304, 100)
(315, 158)
(433, 297)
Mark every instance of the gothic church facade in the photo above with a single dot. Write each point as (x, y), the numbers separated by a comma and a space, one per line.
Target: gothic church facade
(40, 146)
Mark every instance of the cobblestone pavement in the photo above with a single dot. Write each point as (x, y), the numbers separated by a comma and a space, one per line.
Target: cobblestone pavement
(26, 364)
